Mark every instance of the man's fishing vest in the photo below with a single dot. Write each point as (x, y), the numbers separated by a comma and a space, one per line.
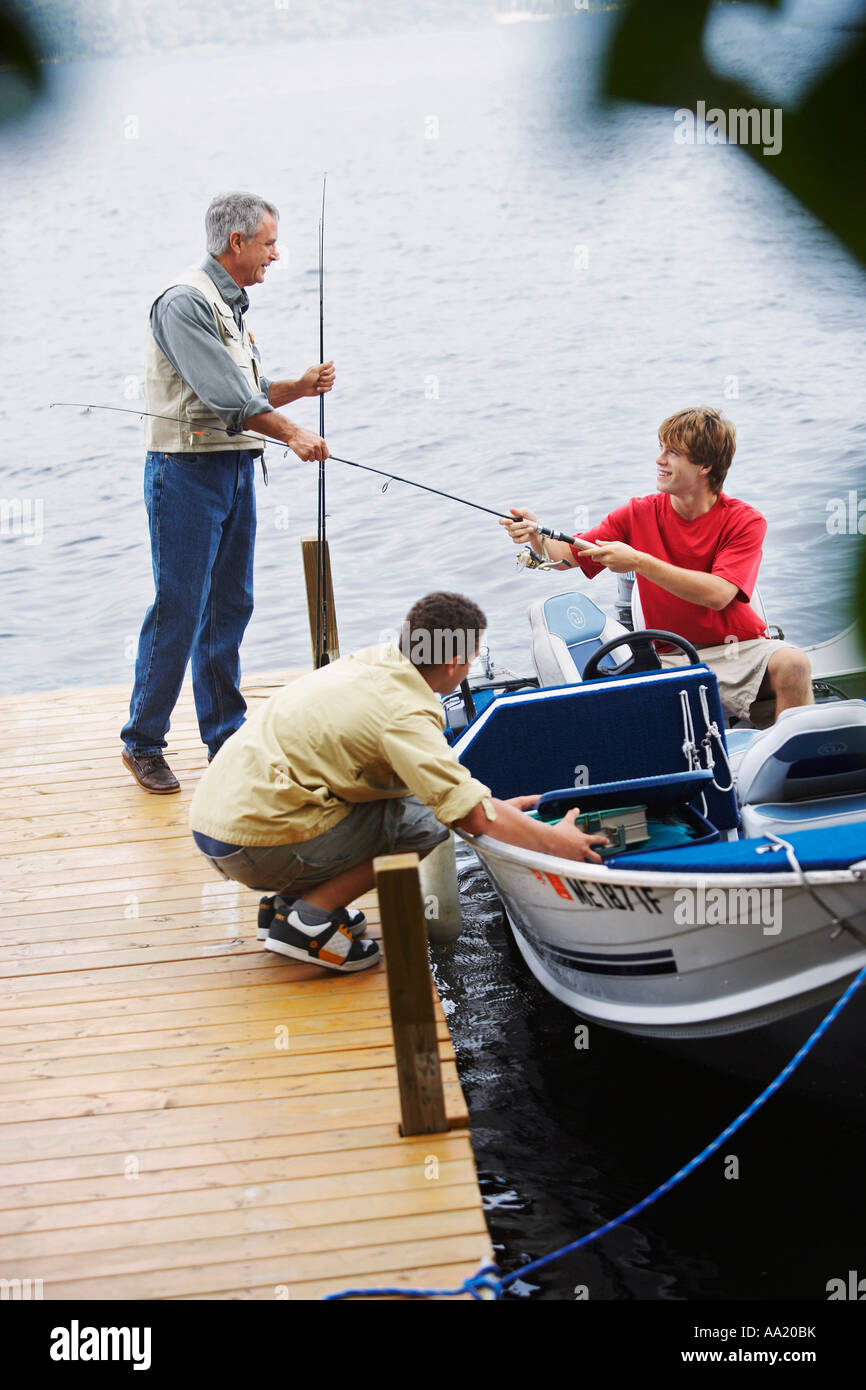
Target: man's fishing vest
(197, 430)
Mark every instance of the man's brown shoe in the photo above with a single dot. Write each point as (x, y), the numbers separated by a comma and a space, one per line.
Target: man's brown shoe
(152, 772)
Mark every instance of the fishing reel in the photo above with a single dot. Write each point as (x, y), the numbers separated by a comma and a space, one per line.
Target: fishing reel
(527, 559)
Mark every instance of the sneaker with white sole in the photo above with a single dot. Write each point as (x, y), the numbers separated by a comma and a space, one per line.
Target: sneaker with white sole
(329, 943)
(277, 903)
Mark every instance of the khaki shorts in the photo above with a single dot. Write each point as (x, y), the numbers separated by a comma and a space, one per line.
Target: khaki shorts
(739, 667)
(389, 826)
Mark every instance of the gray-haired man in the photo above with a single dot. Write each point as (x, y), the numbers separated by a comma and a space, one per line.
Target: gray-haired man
(204, 395)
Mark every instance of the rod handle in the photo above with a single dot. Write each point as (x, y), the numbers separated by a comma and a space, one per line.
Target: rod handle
(552, 535)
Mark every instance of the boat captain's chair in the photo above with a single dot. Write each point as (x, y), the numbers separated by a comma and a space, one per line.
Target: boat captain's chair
(808, 770)
(566, 630)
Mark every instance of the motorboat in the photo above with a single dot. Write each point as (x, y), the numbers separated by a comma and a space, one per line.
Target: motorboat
(733, 891)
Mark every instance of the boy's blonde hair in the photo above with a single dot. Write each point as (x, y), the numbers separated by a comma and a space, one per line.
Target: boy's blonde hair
(706, 436)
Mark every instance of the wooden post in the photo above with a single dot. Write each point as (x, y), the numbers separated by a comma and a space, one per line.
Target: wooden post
(310, 552)
(410, 991)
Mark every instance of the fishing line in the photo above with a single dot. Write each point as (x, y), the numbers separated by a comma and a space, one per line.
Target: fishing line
(396, 478)
(350, 463)
(127, 410)
(452, 497)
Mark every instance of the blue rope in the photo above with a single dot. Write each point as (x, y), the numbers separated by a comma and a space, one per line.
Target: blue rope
(487, 1283)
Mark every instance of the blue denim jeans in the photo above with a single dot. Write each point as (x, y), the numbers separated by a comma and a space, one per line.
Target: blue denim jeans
(202, 514)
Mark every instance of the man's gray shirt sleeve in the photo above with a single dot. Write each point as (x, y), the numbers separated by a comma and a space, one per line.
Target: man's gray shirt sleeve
(184, 328)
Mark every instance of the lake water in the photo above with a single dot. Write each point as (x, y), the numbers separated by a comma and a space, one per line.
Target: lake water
(518, 290)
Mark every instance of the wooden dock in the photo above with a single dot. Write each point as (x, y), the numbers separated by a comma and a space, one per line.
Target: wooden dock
(183, 1114)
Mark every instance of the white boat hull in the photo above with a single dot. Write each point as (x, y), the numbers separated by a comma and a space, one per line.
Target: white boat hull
(672, 955)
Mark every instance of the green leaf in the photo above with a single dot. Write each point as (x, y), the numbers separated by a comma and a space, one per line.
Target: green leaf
(21, 73)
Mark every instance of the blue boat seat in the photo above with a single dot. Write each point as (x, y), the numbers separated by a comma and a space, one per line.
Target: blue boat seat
(566, 630)
(809, 769)
(738, 741)
(830, 847)
(780, 817)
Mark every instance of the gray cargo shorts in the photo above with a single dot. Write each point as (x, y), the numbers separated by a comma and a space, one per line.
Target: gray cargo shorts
(390, 826)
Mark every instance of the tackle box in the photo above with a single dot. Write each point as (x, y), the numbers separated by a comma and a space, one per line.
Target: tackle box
(660, 814)
(625, 827)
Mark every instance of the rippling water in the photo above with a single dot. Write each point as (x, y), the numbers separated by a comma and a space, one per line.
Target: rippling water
(517, 292)
(475, 350)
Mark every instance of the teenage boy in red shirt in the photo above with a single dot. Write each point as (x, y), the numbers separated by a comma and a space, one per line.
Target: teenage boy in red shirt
(695, 552)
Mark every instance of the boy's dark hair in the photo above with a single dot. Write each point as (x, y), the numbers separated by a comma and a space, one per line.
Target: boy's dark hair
(441, 627)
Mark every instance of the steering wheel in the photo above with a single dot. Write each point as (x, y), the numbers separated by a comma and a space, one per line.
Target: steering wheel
(643, 657)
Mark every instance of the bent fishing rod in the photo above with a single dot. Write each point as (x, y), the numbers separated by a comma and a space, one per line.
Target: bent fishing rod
(389, 477)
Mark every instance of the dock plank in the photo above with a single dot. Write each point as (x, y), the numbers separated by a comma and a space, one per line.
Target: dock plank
(181, 1114)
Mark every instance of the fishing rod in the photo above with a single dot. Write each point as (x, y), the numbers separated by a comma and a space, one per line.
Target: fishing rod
(547, 531)
(173, 419)
(127, 410)
(322, 657)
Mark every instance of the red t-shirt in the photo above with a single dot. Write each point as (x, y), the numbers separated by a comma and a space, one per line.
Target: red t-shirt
(725, 541)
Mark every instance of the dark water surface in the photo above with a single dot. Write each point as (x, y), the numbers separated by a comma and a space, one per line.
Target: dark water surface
(566, 1139)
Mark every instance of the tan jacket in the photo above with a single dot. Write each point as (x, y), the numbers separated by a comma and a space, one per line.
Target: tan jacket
(366, 727)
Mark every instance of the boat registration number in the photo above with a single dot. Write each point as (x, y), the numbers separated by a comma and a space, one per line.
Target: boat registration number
(601, 896)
